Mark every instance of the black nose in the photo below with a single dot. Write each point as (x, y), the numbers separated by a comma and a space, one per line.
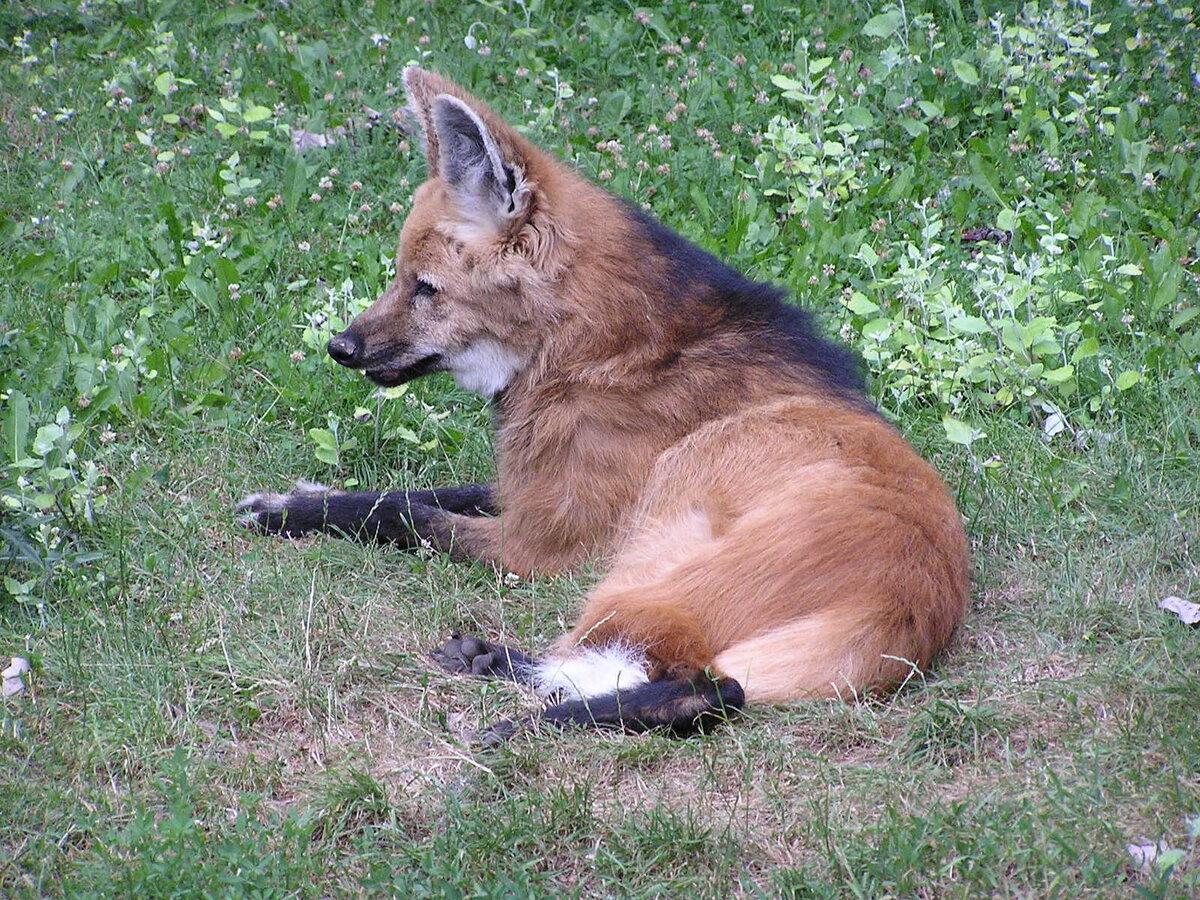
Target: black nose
(344, 349)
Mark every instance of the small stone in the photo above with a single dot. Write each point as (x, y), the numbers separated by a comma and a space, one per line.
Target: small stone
(18, 668)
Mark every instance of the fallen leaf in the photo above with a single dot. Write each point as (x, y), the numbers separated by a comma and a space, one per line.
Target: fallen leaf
(1054, 424)
(307, 140)
(1189, 613)
(12, 683)
(1145, 852)
(18, 668)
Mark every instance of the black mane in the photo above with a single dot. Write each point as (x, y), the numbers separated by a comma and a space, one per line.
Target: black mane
(787, 332)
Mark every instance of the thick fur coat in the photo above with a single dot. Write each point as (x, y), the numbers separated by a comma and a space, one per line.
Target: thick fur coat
(767, 535)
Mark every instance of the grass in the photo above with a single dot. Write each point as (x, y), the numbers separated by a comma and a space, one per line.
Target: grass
(213, 714)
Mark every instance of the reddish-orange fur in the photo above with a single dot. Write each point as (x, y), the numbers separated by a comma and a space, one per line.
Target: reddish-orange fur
(755, 520)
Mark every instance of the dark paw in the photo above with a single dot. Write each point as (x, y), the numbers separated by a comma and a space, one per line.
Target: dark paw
(288, 515)
(498, 733)
(467, 656)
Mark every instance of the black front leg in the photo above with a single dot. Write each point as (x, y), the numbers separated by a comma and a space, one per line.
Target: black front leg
(398, 517)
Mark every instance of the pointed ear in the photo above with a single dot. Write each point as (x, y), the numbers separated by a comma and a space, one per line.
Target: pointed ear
(472, 162)
(420, 87)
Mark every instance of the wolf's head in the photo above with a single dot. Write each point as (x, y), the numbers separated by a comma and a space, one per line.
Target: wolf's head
(477, 252)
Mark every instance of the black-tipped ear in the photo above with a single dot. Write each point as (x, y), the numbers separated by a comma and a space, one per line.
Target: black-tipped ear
(470, 161)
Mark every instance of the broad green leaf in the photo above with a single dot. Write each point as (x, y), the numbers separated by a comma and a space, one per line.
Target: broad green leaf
(788, 84)
(16, 426)
(1167, 289)
(405, 434)
(46, 437)
(858, 116)
(327, 449)
(966, 72)
(234, 15)
(165, 83)
(659, 23)
(969, 325)
(1169, 858)
(1087, 348)
(877, 329)
(226, 271)
(1182, 317)
(295, 176)
(860, 305)
(615, 107)
(1126, 380)
(1059, 375)
(959, 432)
(983, 176)
(884, 25)
(322, 437)
(257, 113)
(1011, 337)
(17, 588)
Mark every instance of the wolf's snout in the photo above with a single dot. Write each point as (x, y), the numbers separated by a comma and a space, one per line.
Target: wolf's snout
(344, 349)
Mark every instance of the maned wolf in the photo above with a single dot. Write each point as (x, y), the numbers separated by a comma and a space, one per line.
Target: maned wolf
(768, 536)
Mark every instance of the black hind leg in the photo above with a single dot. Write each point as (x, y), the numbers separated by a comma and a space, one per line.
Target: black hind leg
(681, 706)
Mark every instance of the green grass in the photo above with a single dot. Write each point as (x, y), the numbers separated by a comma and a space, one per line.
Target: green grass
(214, 714)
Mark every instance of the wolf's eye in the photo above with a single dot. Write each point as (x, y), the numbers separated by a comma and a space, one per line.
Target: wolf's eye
(422, 291)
